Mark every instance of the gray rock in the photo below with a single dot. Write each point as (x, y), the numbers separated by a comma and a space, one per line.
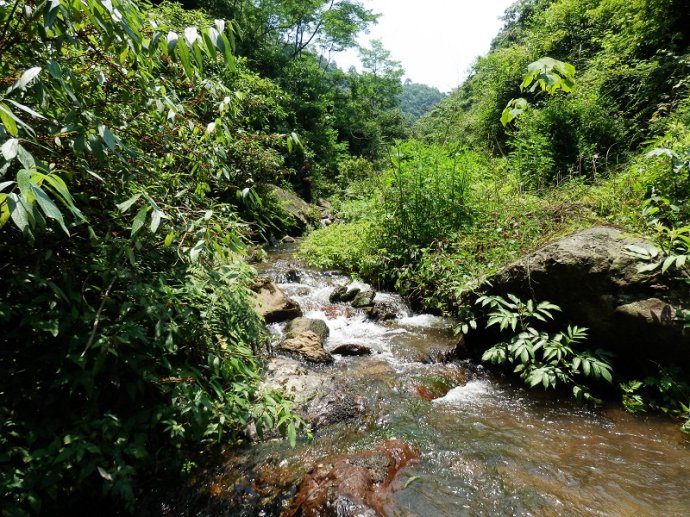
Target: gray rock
(364, 299)
(273, 304)
(342, 294)
(652, 310)
(300, 325)
(338, 293)
(590, 275)
(299, 214)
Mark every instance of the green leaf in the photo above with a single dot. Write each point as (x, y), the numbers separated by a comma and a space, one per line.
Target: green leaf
(139, 220)
(668, 262)
(49, 208)
(171, 40)
(18, 212)
(10, 149)
(25, 79)
(606, 374)
(292, 434)
(227, 52)
(183, 54)
(7, 119)
(156, 216)
(194, 252)
(107, 136)
(126, 205)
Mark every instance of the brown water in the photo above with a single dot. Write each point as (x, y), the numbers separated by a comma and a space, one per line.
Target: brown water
(487, 447)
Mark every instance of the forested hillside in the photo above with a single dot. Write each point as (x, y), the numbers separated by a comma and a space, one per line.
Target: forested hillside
(140, 149)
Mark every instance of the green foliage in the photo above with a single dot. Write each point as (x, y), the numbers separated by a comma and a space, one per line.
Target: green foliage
(666, 392)
(541, 358)
(424, 195)
(347, 246)
(128, 164)
(550, 75)
(417, 99)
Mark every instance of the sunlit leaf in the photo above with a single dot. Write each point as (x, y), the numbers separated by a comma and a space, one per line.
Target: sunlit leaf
(26, 78)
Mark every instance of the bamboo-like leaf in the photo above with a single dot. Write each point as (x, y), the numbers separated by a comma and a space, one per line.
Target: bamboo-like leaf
(139, 220)
(9, 149)
(292, 434)
(196, 250)
(26, 78)
(26, 109)
(49, 208)
(171, 41)
(126, 205)
(107, 136)
(7, 119)
(668, 262)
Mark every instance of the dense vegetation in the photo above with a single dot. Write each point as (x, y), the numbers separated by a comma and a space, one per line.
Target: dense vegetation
(138, 145)
(597, 130)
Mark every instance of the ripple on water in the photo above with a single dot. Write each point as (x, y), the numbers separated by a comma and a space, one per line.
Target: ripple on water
(474, 392)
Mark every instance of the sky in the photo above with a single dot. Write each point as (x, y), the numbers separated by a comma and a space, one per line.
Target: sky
(436, 41)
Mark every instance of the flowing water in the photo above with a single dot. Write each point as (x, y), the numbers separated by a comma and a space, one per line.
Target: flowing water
(487, 447)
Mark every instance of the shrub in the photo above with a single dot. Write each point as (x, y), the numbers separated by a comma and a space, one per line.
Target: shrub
(549, 360)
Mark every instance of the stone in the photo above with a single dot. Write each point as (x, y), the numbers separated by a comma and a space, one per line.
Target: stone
(338, 293)
(299, 214)
(596, 282)
(353, 485)
(342, 294)
(652, 310)
(351, 350)
(301, 325)
(308, 346)
(292, 276)
(381, 312)
(364, 299)
(273, 304)
(294, 379)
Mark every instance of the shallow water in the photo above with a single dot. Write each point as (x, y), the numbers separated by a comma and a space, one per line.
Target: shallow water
(487, 447)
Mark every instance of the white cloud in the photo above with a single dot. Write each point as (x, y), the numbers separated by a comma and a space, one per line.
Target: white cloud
(435, 40)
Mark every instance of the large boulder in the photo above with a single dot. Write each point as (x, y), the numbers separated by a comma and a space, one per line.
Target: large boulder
(300, 215)
(590, 275)
(273, 304)
(353, 485)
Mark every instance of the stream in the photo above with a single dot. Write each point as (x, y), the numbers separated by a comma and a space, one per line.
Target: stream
(487, 446)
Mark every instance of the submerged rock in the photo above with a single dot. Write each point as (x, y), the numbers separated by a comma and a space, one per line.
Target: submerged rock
(590, 275)
(273, 304)
(293, 378)
(353, 485)
(351, 350)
